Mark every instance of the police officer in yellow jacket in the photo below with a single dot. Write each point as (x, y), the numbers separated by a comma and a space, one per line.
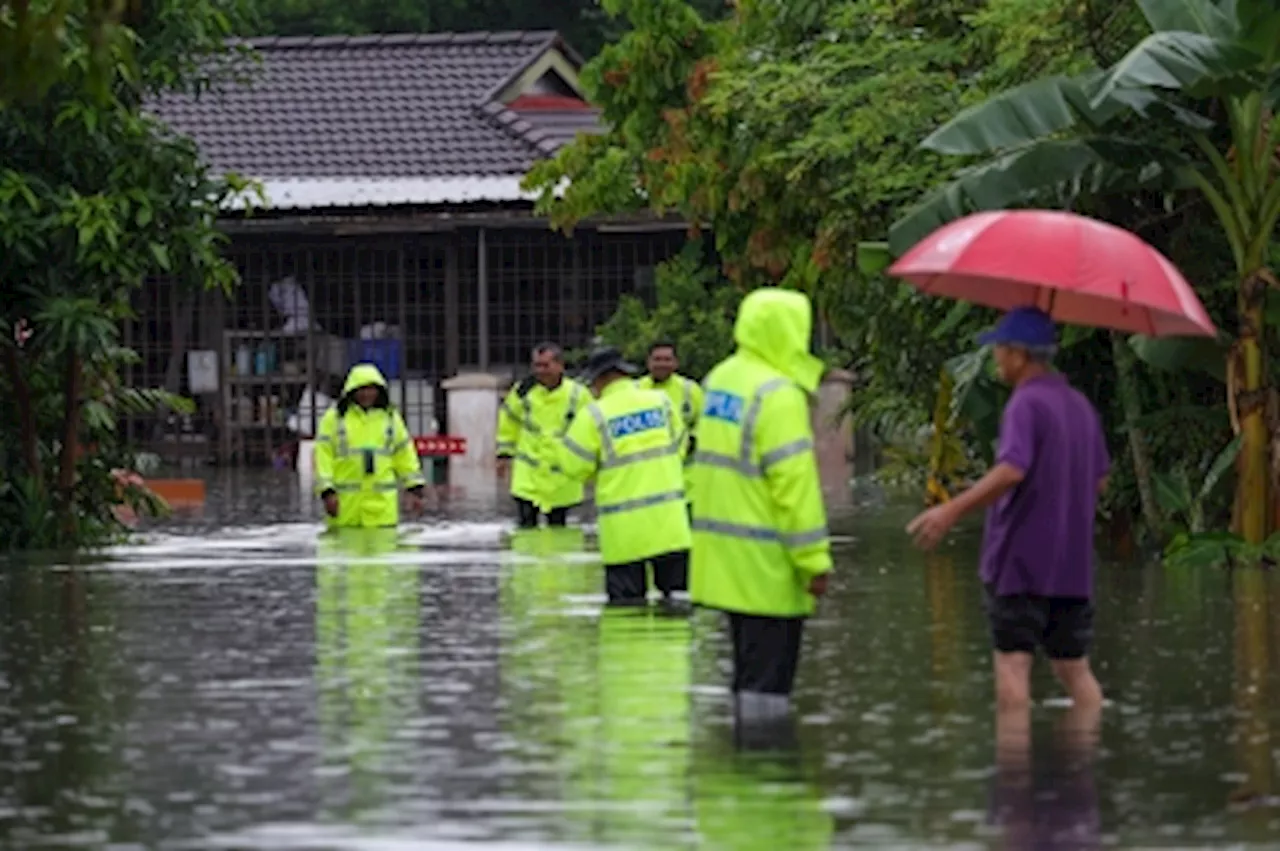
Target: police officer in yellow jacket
(761, 551)
(364, 455)
(631, 441)
(685, 393)
(531, 421)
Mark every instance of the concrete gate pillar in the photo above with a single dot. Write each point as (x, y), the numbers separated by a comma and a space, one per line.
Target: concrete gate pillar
(473, 400)
(833, 436)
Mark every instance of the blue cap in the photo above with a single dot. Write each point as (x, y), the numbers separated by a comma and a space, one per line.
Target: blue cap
(1028, 327)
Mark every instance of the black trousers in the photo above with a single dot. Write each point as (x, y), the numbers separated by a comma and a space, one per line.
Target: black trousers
(766, 652)
(628, 584)
(529, 514)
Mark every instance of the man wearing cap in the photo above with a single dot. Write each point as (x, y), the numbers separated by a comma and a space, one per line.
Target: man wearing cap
(631, 441)
(1041, 495)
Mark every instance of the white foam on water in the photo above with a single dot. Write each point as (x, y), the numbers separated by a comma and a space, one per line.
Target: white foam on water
(1064, 702)
(453, 533)
(408, 560)
(309, 837)
(276, 537)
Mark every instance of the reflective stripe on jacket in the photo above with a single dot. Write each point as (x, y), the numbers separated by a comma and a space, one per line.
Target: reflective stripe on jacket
(630, 440)
(759, 523)
(531, 422)
(346, 443)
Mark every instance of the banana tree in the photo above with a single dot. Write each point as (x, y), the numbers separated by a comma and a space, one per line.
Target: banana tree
(1061, 138)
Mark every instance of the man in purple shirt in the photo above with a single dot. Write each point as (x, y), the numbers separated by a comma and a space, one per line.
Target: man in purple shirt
(1037, 552)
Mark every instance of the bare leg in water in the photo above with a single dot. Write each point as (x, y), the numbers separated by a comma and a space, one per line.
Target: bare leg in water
(1082, 686)
(1013, 681)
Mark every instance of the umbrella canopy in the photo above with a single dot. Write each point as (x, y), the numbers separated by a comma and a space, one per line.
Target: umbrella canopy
(1079, 270)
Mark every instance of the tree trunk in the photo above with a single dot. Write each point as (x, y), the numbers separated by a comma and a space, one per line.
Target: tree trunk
(70, 444)
(1254, 480)
(1131, 402)
(184, 310)
(29, 437)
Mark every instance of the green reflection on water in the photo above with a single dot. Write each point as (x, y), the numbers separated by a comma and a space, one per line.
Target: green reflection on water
(605, 694)
(367, 616)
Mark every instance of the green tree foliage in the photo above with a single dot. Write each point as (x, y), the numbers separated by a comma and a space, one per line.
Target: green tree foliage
(36, 35)
(582, 22)
(1204, 77)
(693, 308)
(789, 131)
(95, 196)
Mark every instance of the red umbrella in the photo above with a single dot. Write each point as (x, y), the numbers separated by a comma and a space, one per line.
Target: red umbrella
(1080, 270)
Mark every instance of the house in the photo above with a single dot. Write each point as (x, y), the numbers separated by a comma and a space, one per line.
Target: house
(395, 228)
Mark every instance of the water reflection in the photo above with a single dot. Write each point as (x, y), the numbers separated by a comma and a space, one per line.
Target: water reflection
(1051, 803)
(757, 792)
(242, 685)
(632, 752)
(1252, 734)
(61, 696)
(946, 646)
(367, 616)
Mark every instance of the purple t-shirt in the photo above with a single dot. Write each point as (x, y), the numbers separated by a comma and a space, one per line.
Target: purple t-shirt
(1039, 535)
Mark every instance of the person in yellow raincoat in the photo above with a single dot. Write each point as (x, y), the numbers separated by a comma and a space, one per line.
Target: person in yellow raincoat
(761, 551)
(531, 420)
(364, 455)
(631, 441)
(685, 393)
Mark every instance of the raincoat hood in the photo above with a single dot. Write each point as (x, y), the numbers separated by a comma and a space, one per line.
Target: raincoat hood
(775, 325)
(363, 375)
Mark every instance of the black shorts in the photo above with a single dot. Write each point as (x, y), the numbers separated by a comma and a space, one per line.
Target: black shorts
(1020, 623)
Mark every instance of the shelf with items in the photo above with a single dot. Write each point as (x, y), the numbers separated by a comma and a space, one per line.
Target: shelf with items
(266, 375)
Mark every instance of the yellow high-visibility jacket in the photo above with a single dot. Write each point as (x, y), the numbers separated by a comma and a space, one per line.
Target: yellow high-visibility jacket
(630, 440)
(531, 422)
(687, 397)
(759, 522)
(350, 440)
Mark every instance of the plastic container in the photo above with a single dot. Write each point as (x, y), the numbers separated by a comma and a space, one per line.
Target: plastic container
(384, 354)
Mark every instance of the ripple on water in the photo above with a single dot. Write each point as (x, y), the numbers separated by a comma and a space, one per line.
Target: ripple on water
(268, 687)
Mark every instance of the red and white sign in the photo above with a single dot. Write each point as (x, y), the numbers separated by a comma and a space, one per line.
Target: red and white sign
(437, 445)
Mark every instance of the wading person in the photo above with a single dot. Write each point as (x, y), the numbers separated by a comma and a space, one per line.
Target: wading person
(685, 393)
(761, 552)
(1041, 495)
(531, 422)
(364, 455)
(631, 441)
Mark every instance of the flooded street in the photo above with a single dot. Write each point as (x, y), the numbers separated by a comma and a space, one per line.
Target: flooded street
(236, 681)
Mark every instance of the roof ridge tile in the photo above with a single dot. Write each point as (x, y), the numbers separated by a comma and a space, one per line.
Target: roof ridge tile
(530, 37)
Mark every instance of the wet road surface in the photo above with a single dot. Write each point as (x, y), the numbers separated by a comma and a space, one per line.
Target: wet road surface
(234, 680)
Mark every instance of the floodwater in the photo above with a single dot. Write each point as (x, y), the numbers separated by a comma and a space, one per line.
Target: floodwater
(236, 681)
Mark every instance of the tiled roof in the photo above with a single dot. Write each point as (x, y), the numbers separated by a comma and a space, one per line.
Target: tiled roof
(561, 118)
(376, 108)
